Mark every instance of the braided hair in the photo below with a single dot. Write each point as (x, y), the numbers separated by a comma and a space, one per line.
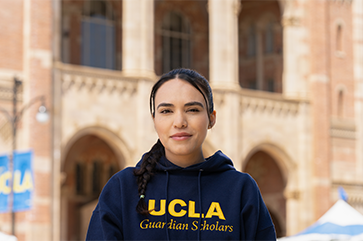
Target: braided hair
(150, 159)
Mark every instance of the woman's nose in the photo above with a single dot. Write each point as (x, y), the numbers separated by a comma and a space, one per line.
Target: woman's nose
(180, 121)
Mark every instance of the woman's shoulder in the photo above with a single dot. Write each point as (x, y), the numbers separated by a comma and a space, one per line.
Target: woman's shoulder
(120, 180)
(125, 173)
(241, 177)
(240, 174)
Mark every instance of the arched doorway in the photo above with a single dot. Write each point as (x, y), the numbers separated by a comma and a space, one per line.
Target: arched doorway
(88, 165)
(264, 169)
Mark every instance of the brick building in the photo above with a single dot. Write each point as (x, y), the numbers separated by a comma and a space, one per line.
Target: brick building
(287, 77)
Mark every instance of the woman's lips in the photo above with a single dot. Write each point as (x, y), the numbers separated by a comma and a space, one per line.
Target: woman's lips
(180, 136)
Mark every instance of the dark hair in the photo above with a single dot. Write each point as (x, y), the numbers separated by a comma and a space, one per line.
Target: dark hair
(150, 159)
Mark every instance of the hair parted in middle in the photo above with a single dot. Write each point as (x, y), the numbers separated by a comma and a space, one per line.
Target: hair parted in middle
(150, 159)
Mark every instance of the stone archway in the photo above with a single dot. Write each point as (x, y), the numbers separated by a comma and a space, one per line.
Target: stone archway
(265, 170)
(88, 165)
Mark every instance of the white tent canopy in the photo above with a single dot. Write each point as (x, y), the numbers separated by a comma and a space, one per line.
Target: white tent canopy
(340, 222)
(5, 237)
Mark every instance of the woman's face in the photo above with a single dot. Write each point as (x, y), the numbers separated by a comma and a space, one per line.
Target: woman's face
(181, 121)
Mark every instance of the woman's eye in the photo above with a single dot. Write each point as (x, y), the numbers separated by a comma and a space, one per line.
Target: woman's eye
(193, 110)
(165, 111)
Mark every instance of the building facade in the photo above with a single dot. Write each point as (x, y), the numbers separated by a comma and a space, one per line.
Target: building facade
(287, 77)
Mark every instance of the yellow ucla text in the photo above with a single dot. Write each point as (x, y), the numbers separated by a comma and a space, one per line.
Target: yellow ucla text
(19, 186)
(184, 209)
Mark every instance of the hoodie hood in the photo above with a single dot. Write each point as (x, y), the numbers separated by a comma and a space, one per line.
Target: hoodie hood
(218, 162)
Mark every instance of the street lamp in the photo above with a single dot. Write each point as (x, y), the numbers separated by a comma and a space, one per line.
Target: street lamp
(14, 118)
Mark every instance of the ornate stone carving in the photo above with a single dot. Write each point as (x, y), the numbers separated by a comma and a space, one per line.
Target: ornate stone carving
(343, 2)
(294, 194)
(99, 84)
(290, 21)
(354, 191)
(341, 128)
(6, 93)
(271, 106)
(355, 200)
(5, 130)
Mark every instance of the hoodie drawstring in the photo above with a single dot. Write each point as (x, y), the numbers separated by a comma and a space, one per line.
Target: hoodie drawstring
(200, 201)
(166, 196)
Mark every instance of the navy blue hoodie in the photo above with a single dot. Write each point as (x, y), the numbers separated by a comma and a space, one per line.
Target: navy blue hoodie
(206, 201)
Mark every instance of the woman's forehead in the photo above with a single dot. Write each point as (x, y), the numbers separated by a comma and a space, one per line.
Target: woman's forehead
(178, 90)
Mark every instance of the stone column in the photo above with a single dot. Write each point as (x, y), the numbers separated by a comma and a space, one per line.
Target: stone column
(313, 175)
(56, 125)
(294, 86)
(138, 38)
(223, 43)
(297, 192)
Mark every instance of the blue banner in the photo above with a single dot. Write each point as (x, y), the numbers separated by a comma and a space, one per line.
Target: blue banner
(4, 183)
(23, 182)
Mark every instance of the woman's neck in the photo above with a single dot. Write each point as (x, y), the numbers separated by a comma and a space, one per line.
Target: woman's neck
(184, 160)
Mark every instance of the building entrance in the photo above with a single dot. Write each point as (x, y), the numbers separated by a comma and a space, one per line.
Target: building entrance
(263, 168)
(88, 166)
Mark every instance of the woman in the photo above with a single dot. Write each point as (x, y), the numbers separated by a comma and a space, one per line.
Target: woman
(179, 195)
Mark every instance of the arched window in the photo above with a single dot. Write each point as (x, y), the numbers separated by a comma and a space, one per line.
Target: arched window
(269, 41)
(176, 41)
(339, 37)
(98, 35)
(340, 103)
(251, 42)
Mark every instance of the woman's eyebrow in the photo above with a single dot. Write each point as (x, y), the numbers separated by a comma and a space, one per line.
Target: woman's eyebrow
(194, 103)
(164, 105)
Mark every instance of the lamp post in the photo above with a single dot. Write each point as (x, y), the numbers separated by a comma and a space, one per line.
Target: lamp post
(14, 118)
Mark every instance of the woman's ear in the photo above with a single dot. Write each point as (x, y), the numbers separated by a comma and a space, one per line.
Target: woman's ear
(212, 119)
(153, 118)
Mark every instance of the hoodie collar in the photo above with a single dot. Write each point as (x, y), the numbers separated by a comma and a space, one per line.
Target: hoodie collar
(218, 162)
